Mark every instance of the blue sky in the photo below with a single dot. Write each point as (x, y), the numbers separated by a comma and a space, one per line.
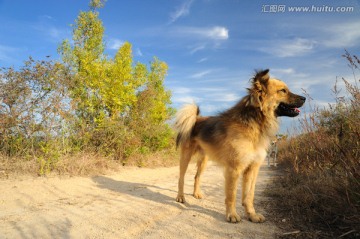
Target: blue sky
(211, 46)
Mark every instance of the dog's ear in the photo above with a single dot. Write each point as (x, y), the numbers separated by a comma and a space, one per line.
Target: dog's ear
(259, 86)
(262, 77)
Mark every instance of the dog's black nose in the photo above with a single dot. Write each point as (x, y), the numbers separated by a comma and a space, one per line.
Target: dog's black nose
(302, 98)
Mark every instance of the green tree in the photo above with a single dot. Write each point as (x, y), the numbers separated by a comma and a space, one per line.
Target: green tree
(86, 60)
(114, 93)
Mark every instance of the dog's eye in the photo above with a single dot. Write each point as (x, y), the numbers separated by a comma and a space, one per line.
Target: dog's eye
(283, 90)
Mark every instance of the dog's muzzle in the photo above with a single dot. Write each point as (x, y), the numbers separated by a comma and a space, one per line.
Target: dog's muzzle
(290, 109)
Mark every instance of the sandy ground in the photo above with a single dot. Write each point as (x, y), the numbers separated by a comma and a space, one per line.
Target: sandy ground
(133, 203)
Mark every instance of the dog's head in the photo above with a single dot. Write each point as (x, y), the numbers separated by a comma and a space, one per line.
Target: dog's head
(273, 95)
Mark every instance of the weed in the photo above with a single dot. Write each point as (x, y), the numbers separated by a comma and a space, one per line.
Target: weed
(320, 189)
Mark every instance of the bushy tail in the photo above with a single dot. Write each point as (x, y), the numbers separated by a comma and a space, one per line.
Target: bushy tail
(185, 121)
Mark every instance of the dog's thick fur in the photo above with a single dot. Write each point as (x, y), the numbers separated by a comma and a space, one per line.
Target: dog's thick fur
(237, 139)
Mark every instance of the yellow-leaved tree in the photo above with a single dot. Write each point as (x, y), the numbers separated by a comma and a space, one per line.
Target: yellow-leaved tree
(121, 107)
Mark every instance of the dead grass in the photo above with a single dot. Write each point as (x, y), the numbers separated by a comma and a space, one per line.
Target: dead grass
(11, 167)
(163, 158)
(315, 205)
(319, 192)
(83, 164)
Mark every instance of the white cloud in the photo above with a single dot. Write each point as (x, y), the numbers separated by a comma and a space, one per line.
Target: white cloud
(182, 95)
(288, 73)
(46, 26)
(202, 60)
(186, 99)
(213, 33)
(197, 48)
(219, 33)
(343, 35)
(322, 104)
(138, 52)
(46, 17)
(231, 97)
(6, 53)
(52, 33)
(181, 90)
(55, 33)
(213, 89)
(224, 97)
(181, 11)
(115, 44)
(283, 71)
(290, 48)
(201, 74)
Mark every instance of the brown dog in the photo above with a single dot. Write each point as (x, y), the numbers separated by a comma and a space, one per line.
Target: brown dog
(237, 139)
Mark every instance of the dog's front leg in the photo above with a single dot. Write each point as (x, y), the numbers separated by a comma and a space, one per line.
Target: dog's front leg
(231, 181)
(248, 191)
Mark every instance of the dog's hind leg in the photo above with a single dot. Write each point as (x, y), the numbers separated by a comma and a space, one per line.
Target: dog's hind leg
(201, 164)
(185, 157)
(248, 191)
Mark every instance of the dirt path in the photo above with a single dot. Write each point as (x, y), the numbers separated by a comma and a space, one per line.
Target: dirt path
(133, 203)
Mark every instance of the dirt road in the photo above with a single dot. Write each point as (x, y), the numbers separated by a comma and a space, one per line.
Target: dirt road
(133, 203)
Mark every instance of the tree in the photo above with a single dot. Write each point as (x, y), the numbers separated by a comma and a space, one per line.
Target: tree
(85, 102)
(33, 106)
(107, 92)
(86, 61)
(153, 106)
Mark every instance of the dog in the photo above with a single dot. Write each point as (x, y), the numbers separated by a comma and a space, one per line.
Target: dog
(237, 139)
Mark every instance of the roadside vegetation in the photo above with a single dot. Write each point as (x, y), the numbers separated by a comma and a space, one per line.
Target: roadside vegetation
(88, 109)
(319, 195)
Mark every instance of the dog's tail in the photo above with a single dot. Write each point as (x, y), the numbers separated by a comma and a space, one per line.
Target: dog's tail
(185, 122)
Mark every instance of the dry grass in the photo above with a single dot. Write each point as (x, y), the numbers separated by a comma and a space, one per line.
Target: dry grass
(317, 205)
(11, 167)
(319, 193)
(163, 158)
(83, 164)
(80, 164)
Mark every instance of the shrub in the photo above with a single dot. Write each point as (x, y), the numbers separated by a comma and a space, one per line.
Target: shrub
(321, 188)
(87, 102)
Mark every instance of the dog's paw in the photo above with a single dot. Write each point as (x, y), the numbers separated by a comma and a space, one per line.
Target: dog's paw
(233, 217)
(198, 195)
(180, 198)
(256, 217)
